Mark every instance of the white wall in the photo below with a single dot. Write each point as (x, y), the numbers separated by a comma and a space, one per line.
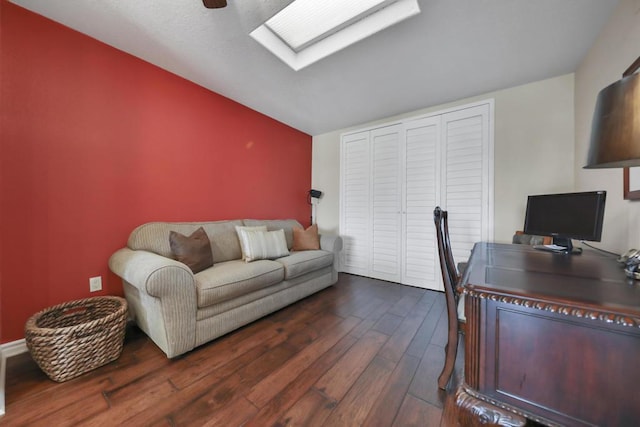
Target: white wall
(534, 151)
(617, 46)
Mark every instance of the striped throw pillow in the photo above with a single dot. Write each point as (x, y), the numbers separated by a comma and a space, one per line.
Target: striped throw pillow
(264, 244)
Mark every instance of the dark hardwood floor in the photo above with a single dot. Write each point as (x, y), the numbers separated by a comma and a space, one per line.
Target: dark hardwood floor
(362, 352)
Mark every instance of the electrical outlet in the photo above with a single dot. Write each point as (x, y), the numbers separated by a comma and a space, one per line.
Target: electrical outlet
(95, 284)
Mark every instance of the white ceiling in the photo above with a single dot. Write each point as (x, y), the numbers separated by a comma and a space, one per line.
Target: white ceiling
(452, 50)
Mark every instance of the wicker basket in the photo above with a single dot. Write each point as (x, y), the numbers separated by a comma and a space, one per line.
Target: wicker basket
(70, 339)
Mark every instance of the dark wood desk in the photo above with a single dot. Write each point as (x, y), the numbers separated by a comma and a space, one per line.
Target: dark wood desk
(552, 337)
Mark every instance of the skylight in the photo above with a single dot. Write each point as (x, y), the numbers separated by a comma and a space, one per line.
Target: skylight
(308, 30)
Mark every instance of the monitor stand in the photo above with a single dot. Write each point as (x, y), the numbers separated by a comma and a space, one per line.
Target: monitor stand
(561, 245)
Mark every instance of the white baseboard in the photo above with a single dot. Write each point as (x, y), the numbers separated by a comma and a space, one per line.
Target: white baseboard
(8, 350)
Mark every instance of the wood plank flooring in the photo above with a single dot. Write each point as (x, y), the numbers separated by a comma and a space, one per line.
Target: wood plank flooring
(362, 352)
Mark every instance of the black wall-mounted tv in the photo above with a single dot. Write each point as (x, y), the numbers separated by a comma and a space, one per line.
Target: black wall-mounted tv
(566, 216)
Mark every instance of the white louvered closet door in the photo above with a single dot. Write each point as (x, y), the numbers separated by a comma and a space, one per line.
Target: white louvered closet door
(386, 199)
(421, 194)
(355, 203)
(467, 178)
(393, 177)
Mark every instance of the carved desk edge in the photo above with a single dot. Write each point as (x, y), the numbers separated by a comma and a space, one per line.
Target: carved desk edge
(567, 310)
(477, 409)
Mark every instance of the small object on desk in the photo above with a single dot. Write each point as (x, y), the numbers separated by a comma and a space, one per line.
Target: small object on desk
(631, 261)
(631, 253)
(632, 270)
(520, 238)
(552, 247)
(558, 249)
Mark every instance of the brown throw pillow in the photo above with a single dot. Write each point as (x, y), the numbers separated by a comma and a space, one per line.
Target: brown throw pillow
(305, 240)
(194, 251)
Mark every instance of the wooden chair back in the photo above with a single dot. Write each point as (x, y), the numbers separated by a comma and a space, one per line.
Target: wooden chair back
(452, 268)
(450, 278)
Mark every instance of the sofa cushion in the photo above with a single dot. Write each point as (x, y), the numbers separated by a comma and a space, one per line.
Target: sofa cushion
(302, 262)
(304, 240)
(154, 237)
(193, 250)
(230, 279)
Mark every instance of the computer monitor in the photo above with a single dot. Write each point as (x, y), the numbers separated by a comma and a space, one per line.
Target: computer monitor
(566, 216)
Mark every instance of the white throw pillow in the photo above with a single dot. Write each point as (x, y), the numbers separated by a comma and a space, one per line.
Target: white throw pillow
(242, 236)
(265, 245)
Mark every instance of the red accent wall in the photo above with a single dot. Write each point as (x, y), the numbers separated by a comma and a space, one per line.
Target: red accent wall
(95, 142)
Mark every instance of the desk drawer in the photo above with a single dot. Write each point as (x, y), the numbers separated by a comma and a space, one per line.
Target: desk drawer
(568, 369)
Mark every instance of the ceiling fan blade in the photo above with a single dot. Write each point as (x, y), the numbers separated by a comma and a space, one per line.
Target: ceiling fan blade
(214, 4)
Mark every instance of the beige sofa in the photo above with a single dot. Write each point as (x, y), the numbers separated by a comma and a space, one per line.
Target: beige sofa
(180, 310)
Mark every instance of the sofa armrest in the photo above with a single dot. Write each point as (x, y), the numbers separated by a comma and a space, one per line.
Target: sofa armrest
(162, 298)
(331, 243)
